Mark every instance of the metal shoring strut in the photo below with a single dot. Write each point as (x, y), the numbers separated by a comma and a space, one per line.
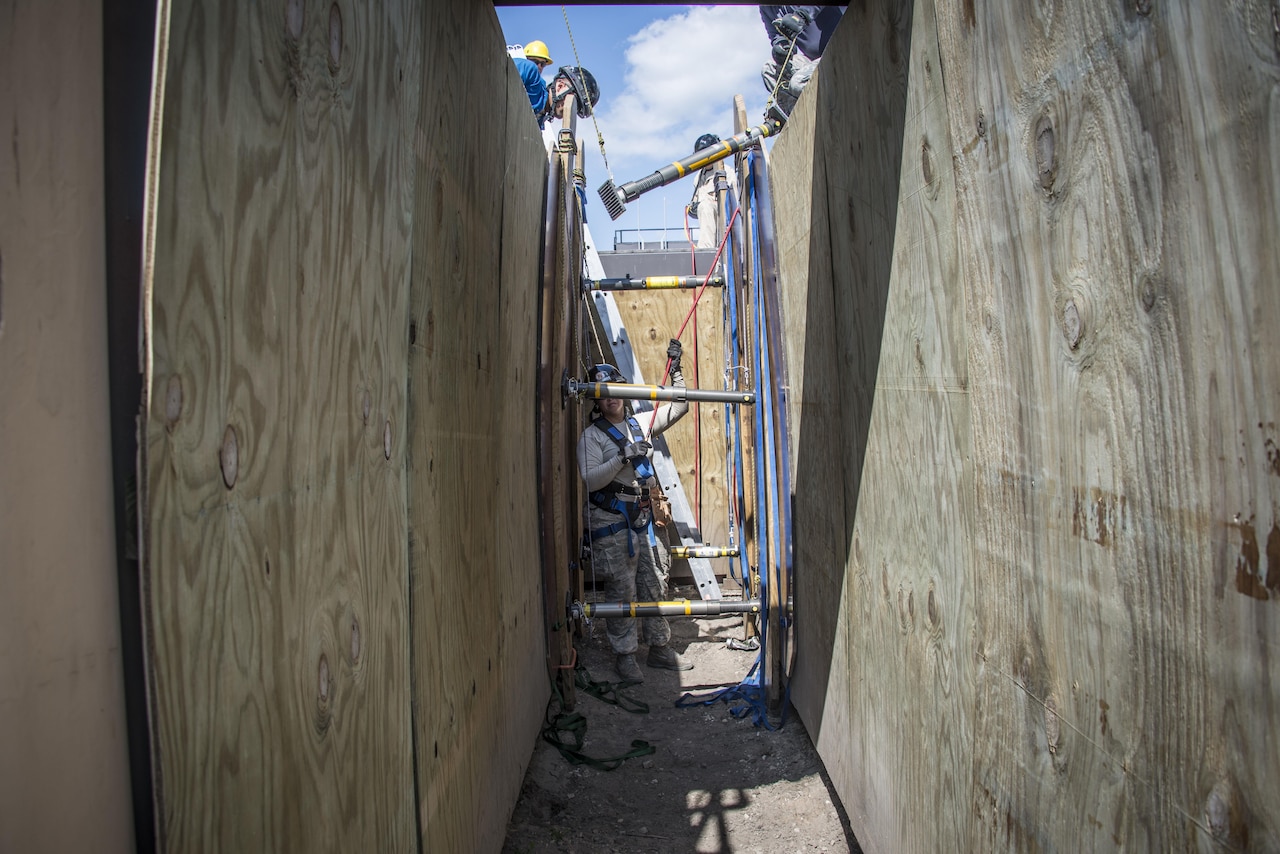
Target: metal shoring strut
(687, 552)
(615, 198)
(628, 391)
(650, 283)
(681, 608)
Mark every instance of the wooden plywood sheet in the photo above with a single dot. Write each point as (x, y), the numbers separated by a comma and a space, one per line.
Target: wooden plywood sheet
(652, 319)
(277, 560)
(478, 659)
(1056, 608)
(908, 598)
(814, 404)
(64, 775)
(341, 527)
(898, 447)
(1115, 219)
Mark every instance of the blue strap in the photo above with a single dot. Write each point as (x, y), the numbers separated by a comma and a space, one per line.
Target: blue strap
(747, 694)
(643, 468)
(609, 530)
(624, 525)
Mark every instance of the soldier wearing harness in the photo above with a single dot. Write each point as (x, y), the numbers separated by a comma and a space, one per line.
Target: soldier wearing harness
(615, 460)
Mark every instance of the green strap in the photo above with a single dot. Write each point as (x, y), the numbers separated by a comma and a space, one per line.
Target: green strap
(609, 692)
(574, 726)
(567, 731)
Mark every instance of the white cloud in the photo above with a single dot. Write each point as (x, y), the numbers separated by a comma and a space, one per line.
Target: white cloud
(682, 72)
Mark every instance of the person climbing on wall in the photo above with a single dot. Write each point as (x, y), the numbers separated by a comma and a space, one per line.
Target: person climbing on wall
(702, 206)
(575, 80)
(811, 28)
(536, 57)
(615, 460)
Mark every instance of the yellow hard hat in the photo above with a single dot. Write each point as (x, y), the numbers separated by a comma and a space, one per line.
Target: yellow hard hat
(537, 50)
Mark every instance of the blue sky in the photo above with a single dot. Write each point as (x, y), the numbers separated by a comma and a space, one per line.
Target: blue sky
(667, 75)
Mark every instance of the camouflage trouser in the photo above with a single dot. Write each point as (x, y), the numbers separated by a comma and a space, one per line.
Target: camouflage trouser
(801, 70)
(641, 577)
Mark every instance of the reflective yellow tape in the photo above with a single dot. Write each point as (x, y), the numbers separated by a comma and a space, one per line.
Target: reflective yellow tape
(680, 170)
(703, 551)
(662, 282)
(653, 394)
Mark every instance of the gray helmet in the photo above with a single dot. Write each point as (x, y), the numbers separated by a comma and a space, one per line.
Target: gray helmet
(605, 374)
(585, 90)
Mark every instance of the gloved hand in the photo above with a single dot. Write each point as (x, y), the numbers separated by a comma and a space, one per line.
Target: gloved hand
(791, 25)
(782, 49)
(674, 352)
(637, 451)
(691, 210)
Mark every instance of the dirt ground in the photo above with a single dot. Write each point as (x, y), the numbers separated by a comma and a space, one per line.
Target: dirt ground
(715, 782)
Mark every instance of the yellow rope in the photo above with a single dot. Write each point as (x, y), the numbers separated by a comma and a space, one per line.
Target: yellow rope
(599, 136)
(774, 94)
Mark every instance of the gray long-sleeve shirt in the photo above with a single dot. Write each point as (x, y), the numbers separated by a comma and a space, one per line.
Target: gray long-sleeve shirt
(600, 460)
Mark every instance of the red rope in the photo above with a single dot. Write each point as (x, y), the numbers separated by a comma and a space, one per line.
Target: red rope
(728, 229)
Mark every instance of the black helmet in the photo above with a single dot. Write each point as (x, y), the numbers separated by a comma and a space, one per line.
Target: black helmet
(585, 90)
(606, 374)
(705, 141)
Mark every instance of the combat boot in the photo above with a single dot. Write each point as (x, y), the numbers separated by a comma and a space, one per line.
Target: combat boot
(666, 658)
(628, 669)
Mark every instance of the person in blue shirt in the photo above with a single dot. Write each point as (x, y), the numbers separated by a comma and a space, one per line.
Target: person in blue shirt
(536, 58)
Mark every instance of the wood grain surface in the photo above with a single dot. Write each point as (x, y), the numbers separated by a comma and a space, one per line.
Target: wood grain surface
(652, 318)
(479, 673)
(1056, 578)
(64, 772)
(340, 526)
(1116, 223)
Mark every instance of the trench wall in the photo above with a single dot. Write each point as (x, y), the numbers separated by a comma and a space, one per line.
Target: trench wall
(1030, 270)
(64, 775)
(337, 524)
(343, 592)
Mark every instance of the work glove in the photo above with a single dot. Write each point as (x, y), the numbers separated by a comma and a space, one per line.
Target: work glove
(637, 451)
(691, 210)
(793, 24)
(781, 51)
(674, 352)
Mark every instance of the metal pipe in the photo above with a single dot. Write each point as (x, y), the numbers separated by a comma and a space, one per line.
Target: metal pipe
(615, 198)
(650, 283)
(703, 551)
(683, 608)
(627, 391)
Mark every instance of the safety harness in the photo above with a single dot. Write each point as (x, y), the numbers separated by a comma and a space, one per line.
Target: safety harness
(632, 502)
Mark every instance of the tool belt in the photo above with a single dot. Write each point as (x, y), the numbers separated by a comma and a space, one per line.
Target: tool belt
(626, 494)
(629, 502)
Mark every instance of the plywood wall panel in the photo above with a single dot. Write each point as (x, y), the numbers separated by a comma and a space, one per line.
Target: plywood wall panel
(652, 319)
(1074, 365)
(473, 509)
(341, 531)
(277, 560)
(901, 428)
(797, 173)
(1118, 431)
(64, 773)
